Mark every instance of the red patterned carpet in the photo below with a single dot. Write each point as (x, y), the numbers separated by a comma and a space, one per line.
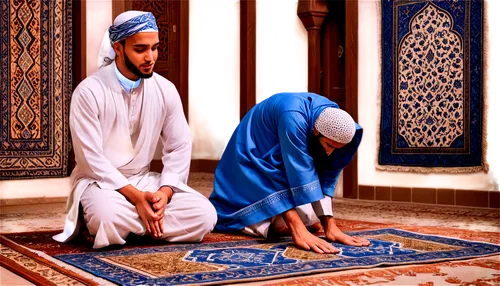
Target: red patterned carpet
(21, 254)
(482, 271)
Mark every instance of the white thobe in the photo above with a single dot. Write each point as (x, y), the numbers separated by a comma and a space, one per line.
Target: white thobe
(115, 138)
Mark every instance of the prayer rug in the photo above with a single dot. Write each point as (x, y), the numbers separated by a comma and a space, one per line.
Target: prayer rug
(432, 101)
(36, 77)
(252, 260)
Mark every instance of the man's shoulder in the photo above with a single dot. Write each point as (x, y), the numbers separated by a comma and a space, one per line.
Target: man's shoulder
(164, 87)
(93, 88)
(161, 80)
(94, 82)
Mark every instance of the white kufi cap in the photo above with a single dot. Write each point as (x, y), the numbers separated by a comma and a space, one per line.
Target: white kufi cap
(336, 124)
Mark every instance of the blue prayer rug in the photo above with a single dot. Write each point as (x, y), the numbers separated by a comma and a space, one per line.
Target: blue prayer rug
(432, 105)
(252, 260)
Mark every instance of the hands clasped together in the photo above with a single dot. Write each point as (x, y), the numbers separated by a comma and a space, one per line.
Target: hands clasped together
(151, 209)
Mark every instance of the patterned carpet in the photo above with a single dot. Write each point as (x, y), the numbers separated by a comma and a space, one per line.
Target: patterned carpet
(24, 249)
(471, 272)
(27, 233)
(256, 260)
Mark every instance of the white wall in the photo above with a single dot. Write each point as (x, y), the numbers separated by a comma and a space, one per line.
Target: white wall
(299, 33)
(211, 20)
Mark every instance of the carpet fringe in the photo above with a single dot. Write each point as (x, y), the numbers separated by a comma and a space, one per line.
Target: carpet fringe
(485, 68)
(83, 273)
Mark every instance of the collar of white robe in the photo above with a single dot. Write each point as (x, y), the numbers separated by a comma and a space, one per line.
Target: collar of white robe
(126, 24)
(126, 83)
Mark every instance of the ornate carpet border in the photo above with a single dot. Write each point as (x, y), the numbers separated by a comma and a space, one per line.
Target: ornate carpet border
(42, 268)
(90, 262)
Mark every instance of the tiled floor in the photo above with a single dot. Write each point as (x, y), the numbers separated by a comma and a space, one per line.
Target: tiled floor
(51, 216)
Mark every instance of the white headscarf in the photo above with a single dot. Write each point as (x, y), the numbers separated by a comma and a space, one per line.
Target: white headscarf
(126, 24)
(336, 124)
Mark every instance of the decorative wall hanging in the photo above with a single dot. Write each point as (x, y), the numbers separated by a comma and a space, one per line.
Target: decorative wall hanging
(432, 101)
(36, 86)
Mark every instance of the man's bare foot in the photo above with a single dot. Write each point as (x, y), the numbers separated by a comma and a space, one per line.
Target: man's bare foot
(333, 233)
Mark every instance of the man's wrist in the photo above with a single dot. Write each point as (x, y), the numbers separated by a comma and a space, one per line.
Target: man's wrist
(168, 191)
(327, 221)
(130, 193)
(292, 220)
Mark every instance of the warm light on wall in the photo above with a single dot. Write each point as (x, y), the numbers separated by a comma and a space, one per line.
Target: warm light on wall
(214, 74)
(214, 26)
(281, 48)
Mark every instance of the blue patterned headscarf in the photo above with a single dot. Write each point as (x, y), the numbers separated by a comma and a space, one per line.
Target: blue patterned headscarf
(140, 23)
(126, 24)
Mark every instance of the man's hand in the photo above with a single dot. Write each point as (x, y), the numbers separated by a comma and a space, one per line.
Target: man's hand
(159, 202)
(333, 233)
(142, 202)
(302, 238)
(146, 213)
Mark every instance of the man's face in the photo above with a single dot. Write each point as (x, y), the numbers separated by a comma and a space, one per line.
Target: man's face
(322, 145)
(139, 55)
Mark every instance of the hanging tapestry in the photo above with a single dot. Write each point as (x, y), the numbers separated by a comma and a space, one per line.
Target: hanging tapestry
(36, 86)
(432, 104)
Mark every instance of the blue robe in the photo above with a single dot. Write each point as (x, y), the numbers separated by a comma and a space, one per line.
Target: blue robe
(267, 167)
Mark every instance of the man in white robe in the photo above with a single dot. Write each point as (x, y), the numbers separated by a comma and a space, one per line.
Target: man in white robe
(119, 116)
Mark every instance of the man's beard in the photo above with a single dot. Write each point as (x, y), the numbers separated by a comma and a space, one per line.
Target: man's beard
(316, 150)
(135, 70)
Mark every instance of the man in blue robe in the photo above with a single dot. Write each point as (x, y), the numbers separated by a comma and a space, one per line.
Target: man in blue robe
(279, 170)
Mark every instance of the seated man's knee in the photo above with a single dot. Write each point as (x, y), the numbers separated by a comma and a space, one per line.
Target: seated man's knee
(189, 218)
(204, 218)
(209, 216)
(95, 220)
(100, 212)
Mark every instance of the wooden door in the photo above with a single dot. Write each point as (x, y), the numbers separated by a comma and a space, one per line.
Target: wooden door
(338, 75)
(333, 59)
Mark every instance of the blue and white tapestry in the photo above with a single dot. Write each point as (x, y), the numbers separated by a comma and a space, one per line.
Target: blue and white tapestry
(432, 102)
